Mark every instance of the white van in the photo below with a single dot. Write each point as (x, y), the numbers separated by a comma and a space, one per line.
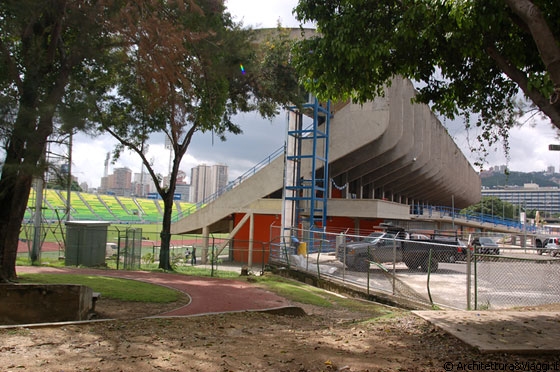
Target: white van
(111, 249)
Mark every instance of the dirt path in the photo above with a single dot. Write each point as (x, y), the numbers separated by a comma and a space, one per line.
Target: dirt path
(325, 339)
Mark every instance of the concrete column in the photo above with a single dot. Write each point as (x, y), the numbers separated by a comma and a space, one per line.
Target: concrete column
(231, 244)
(205, 238)
(251, 238)
(360, 190)
(288, 206)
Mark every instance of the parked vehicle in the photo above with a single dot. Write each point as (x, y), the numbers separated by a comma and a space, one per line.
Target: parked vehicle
(541, 246)
(111, 250)
(356, 254)
(551, 246)
(395, 244)
(462, 248)
(485, 245)
(454, 248)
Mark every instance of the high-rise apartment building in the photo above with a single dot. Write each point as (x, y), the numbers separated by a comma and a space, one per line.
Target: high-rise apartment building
(118, 183)
(207, 180)
(143, 184)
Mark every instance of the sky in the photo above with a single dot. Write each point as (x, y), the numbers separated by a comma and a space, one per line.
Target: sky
(528, 144)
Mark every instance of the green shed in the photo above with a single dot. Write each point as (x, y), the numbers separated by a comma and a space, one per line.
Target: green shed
(85, 243)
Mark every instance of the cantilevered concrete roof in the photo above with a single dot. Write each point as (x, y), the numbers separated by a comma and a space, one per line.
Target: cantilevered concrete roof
(389, 153)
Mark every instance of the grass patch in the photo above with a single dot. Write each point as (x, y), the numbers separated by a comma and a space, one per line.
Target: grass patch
(116, 288)
(296, 291)
(306, 294)
(184, 270)
(47, 259)
(202, 271)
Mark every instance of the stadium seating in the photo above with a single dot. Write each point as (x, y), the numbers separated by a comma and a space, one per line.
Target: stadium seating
(80, 210)
(98, 206)
(54, 208)
(130, 209)
(93, 207)
(150, 210)
(181, 207)
(56, 205)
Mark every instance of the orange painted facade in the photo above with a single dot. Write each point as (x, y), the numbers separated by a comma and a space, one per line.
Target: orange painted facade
(262, 231)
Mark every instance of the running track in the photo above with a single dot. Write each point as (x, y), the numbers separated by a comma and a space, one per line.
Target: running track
(208, 295)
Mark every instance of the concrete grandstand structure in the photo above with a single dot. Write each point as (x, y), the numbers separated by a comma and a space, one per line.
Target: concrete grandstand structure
(388, 160)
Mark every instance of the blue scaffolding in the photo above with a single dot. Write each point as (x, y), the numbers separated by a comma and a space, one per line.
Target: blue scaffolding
(310, 190)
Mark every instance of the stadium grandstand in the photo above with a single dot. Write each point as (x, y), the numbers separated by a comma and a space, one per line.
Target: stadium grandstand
(151, 210)
(94, 207)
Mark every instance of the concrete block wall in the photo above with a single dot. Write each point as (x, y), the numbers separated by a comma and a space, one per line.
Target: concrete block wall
(44, 303)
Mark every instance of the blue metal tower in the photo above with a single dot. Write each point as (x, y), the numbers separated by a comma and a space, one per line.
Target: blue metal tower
(309, 154)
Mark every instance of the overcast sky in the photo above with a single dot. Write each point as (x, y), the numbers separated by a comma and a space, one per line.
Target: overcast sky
(529, 145)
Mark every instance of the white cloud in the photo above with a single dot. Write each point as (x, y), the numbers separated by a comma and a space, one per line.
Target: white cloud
(240, 153)
(263, 13)
(529, 145)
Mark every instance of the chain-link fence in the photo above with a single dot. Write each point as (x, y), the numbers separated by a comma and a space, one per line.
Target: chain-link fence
(137, 247)
(515, 277)
(434, 268)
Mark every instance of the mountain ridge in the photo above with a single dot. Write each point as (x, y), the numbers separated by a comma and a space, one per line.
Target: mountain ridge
(493, 179)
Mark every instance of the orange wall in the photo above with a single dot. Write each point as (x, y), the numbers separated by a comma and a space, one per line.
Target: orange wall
(262, 223)
(336, 193)
(261, 231)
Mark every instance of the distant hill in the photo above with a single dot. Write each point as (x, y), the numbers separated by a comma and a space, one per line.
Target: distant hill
(499, 179)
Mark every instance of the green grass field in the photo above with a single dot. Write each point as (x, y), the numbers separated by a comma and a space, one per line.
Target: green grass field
(115, 288)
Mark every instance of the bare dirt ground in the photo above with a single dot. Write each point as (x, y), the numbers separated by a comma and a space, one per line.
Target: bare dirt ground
(325, 339)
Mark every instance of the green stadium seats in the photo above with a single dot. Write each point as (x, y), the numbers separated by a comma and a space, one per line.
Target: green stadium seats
(150, 210)
(93, 207)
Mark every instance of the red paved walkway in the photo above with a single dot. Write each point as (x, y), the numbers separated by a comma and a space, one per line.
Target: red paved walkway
(208, 295)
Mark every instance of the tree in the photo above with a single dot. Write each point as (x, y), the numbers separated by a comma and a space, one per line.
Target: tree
(493, 206)
(468, 57)
(200, 71)
(42, 45)
(64, 61)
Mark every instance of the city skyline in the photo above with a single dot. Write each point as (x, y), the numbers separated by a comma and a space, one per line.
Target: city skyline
(205, 180)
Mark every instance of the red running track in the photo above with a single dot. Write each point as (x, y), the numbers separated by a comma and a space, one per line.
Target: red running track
(208, 295)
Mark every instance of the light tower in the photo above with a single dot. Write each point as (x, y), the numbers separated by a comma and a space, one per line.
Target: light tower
(106, 170)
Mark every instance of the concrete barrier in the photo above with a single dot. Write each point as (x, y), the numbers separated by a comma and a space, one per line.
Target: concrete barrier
(44, 303)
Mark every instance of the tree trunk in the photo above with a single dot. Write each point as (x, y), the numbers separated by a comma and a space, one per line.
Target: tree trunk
(549, 51)
(22, 158)
(23, 161)
(542, 35)
(165, 234)
(13, 198)
(15, 182)
(168, 201)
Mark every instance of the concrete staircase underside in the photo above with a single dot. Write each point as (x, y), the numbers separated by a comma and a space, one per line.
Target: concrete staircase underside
(389, 145)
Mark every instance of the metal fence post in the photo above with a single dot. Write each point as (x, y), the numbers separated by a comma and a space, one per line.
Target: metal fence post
(469, 279)
(367, 275)
(428, 279)
(394, 265)
(475, 281)
(318, 256)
